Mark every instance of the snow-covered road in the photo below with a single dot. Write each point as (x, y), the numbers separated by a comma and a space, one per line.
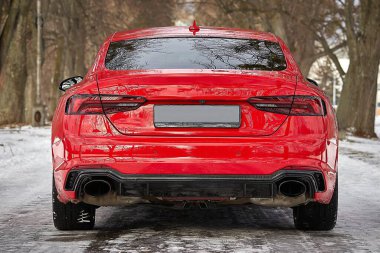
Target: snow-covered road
(26, 220)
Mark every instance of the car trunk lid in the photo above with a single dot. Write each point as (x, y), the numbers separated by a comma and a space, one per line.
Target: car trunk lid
(178, 103)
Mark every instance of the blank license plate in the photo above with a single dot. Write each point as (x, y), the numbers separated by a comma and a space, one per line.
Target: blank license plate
(213, 116)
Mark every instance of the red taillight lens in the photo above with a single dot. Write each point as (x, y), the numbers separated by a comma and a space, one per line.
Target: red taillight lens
(280, 105)
(290, 105)
(95, 104)
(307, 106)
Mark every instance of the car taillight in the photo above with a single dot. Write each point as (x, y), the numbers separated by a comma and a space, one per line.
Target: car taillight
(290, 105)
(95, 104)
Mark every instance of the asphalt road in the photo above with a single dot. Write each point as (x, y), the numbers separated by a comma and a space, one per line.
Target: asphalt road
(26, 219)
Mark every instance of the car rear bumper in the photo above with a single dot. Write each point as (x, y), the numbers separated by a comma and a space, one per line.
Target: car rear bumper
(222, 167)
(251, 186)
(290, 148)
(258, 189)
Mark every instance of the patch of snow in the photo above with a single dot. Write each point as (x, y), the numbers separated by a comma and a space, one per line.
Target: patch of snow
(377, 126)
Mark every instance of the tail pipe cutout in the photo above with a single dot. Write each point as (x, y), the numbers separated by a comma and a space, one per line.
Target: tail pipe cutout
(292, 188)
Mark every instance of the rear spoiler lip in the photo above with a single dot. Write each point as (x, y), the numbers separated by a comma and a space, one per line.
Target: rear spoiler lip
(109, 74)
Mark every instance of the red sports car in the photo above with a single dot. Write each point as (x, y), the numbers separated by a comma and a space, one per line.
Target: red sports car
(195, 116)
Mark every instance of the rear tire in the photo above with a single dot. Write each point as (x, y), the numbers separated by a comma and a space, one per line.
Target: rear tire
(317, 216)
(71, 216)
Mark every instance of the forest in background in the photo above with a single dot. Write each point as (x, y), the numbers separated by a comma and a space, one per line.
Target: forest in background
(317, 32)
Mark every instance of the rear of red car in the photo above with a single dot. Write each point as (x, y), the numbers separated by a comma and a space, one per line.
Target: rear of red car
(220, 117)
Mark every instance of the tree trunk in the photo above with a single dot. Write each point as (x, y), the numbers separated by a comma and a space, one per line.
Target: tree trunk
(357, 107)
(9, 29)
(364, 123)
(346, 112)
(57, 78)
(13, 73)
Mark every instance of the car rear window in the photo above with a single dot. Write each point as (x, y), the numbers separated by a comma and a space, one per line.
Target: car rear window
(195, 53)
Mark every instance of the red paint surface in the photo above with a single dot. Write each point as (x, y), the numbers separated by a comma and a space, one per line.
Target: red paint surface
(265, 143)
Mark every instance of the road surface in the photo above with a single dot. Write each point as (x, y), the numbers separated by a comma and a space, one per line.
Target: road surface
(26, 219)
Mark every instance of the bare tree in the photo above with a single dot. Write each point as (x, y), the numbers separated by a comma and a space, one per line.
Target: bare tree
(295, 21)
(73, 30)
(358, 100)
(13, 55)
(71, 35)
(151, 13)
(313, 29)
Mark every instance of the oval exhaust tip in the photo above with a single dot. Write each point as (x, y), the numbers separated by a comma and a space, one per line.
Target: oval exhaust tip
(97, 188)
(292, 188)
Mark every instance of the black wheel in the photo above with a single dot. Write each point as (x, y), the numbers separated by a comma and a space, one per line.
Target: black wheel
(72, 216)
(316, 216)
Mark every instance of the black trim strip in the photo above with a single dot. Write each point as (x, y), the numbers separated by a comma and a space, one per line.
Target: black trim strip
(82, 175)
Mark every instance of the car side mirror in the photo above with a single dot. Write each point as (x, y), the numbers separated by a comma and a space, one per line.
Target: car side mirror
(312, 81)
(69, 82)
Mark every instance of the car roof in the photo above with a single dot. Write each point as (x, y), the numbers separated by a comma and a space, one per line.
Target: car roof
(183, 31)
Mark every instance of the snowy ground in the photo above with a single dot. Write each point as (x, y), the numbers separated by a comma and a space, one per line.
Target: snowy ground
(26, 220)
